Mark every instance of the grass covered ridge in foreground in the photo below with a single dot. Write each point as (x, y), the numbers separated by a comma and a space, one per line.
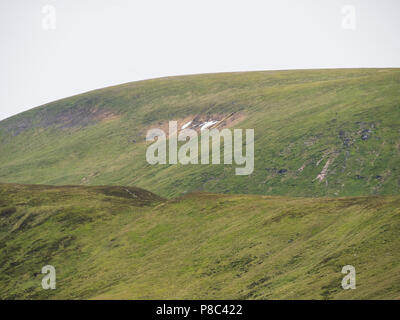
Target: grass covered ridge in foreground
(126, 243)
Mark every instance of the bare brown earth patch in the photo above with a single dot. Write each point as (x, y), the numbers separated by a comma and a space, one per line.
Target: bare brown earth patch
(74, 116)
(79, 117)
(203, 121)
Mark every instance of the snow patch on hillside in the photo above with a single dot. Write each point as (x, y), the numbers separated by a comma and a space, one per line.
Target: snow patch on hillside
(187, 124)
(208, 124)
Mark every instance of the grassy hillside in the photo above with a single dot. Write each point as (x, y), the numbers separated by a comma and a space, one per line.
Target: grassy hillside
(118, 242)
(346, 121)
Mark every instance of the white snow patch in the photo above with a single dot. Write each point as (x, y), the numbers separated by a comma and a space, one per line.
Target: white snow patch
(187, 124)
(207, 124)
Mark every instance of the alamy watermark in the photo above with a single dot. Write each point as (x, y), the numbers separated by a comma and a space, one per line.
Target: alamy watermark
(349, 20)
(196, 150)
(49, 280)
(49, 19)
(349, 281)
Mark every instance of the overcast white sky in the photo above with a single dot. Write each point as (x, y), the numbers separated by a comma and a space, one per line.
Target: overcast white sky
(97, 43)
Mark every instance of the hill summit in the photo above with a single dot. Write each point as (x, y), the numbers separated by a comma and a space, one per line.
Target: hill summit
(317, 133)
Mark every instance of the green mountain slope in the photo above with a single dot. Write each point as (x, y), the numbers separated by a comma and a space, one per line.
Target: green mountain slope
(346, 121)
(117, 242)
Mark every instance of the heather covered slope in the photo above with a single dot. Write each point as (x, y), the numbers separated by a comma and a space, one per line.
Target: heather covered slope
(344, 124)
(126, 243)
